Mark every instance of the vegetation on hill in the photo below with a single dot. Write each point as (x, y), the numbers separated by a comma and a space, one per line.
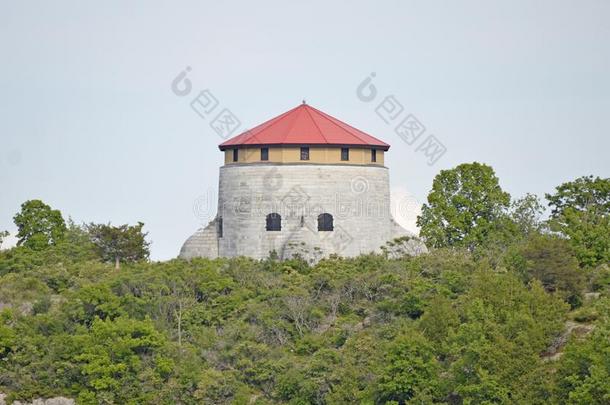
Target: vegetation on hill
(480, 319)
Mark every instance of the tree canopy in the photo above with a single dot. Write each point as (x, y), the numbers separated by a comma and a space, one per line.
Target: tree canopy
(463, 207)
(120, 243)
(38, 225)
(581, 211)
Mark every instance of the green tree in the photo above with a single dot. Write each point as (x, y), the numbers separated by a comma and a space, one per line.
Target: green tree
(411, 369)
(120, 243)
(504, 326)
(551, 260)
(438, 321)
(463, 207)
(581, 211)
(38, 225)
(216, 387)
(120, 361)
(92, 302)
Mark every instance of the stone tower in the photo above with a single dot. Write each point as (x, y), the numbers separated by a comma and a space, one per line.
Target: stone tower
(301, 183)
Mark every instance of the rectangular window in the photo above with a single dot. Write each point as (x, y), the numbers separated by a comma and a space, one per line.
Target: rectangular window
(235, 155)
(344, 153)
(304, 153)
(264, 153)
(373, 155)
(220, 227)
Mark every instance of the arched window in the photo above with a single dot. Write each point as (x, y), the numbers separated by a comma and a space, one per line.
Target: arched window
(325, 222)
(274, 222)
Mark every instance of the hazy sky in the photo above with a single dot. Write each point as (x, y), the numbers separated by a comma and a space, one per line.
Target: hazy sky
(89, 124)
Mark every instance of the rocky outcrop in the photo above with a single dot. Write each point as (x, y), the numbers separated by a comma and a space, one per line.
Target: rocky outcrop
(555, 350)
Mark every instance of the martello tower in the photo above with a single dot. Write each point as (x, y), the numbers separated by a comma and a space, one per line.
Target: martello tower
(301, 183)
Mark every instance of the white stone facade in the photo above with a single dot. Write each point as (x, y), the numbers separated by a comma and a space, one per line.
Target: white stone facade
(357, 197)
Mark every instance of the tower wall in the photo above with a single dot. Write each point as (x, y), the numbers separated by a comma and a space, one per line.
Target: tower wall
(358, 198)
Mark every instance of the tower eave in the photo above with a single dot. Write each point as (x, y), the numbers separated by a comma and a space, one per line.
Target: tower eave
(224, 147)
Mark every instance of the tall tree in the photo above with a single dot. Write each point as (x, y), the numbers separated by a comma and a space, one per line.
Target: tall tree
(581, 211)
(38, 225)
(464, 206)
(120, 243)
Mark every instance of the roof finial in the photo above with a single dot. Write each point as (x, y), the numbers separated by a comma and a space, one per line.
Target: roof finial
(304, 102)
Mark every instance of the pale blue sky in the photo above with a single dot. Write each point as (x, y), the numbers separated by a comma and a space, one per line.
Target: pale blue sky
(89, 124)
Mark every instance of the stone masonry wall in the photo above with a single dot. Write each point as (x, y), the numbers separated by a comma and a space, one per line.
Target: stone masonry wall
(358, 198)
(203, 243)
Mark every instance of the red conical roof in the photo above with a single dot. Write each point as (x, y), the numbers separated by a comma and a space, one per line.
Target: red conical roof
(304, 125)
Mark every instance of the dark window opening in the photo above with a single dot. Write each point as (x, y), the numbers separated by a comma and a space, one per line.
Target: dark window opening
(235, 155)
(302, 221)
(373, 155)
(264, 153)
(220, 227)
(274, 222)
(344, 153)
(325, 222)
(304, 153)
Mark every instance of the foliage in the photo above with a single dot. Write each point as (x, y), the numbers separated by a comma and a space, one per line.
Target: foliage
(584, 372)
(551, 260)
(119, 243)
(482, 318)
(440, 327)
(581, 211)
(412, 369)
(116, 357)
(38, 225)
(73, 249)
(463, 206)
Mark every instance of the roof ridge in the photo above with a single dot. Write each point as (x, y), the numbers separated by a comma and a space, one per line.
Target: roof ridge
(291, 125)
(275, 121)
(315, 123)
(349, 128)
